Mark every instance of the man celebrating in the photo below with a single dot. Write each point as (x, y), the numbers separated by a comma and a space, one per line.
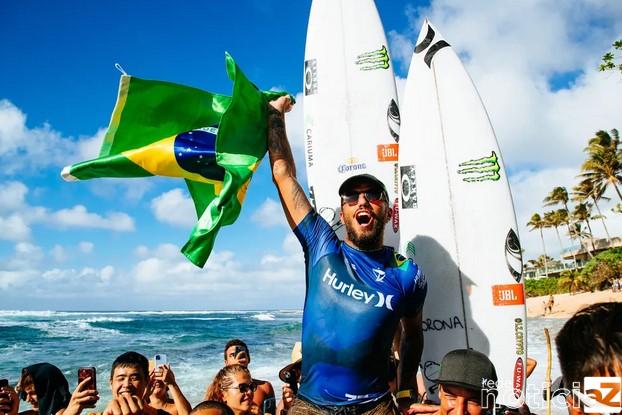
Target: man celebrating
(236, 353)
(350, 313)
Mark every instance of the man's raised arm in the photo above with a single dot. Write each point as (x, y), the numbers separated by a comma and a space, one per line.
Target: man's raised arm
(293, 198)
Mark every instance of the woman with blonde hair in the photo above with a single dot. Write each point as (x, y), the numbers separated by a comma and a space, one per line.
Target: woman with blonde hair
(234, 387)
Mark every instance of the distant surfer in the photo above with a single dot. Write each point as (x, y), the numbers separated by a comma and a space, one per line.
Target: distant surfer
(357, 292)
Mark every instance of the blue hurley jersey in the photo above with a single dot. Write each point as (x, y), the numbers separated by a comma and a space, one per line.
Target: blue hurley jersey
(353, 303)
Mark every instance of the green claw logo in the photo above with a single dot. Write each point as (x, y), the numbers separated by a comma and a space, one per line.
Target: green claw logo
(376, 59)
(485, 168)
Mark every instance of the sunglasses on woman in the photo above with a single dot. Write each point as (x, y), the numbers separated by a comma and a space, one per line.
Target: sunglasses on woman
(372, 196)
(245, 387)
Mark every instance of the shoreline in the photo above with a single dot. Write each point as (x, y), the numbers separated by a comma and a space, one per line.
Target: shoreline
(566, 305)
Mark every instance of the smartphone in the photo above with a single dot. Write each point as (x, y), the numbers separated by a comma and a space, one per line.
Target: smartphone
(88, 372)
(160, 360)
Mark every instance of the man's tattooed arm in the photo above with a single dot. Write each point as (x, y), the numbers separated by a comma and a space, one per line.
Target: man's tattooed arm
(294, 201)
(278, 145)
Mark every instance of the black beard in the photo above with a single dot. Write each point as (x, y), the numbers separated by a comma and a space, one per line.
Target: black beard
(368, 242)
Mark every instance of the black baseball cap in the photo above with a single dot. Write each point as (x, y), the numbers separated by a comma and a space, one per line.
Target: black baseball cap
(292, 368)
(468, 369)
(359, 179)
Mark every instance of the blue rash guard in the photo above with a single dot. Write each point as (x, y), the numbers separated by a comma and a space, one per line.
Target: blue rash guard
(354, 301)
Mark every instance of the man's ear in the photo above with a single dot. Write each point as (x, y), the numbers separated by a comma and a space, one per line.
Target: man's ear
(389, 214)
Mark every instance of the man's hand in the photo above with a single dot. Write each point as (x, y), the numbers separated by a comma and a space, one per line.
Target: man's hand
(165, 375)
(125, 404)
(9, 401)
(282, 104)
(288, 396)
(82, 398)
(422, 408)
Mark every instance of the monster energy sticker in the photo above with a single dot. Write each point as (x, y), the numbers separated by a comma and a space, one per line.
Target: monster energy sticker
(482, 169)
(409, 187)
(310, 77)
(513, 255)
(410, 250)
(393, 120)
(376, 59)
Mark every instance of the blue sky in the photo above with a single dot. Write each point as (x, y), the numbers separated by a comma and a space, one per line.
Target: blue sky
(113, 244)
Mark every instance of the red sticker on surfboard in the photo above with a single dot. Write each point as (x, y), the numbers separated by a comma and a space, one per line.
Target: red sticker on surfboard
(388, 152)
(518, 378)
(508, 294)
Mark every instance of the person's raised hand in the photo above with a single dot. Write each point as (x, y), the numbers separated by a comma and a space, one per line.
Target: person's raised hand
(9, 401)
(282, 104)
(82, 398)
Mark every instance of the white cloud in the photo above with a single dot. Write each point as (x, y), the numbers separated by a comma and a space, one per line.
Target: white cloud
(12, 195)
(31, 149)
(514, 51)
(78, 216)
(86, 247)
(224, 273)
(88, 147)
(269, 214)
(58, 253)
(73, 279)
(175, 208)
(14, 228)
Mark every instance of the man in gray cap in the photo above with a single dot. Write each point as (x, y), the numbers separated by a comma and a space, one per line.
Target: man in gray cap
(357, 293)
(467, 383)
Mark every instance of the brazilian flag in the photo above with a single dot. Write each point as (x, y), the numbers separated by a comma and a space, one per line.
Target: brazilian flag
(214, 142)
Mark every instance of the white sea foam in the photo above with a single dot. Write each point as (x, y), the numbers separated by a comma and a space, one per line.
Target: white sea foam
(210, 318)
(263, 316)
(71, 329)
(105, 320)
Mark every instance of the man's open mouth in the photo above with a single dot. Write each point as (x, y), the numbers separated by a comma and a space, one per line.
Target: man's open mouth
(363, 217)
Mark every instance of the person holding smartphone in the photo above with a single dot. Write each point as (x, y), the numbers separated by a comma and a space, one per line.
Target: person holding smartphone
(162, 381)
(129, 380)
(9, 401)
(84, 396)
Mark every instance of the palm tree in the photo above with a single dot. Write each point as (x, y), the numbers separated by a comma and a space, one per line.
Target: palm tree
(587, 190)
(562, 216)
(560, 195)
(603, 166)
(571, 279)
(536, 222)
(583, 213)
(577, 232)
(552, 219)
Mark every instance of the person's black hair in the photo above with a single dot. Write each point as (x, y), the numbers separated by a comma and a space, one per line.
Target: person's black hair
(50, 385)
(590, 343)
(131, 359)
(235, 342)
(212, 405)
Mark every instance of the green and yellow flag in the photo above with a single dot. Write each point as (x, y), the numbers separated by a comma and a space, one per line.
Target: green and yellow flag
(215, 142)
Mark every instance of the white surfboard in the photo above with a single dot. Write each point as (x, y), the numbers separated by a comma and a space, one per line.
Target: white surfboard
(351, 116)
(457, 219)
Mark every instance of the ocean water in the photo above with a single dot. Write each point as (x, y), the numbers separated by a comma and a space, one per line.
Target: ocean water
(192, 340)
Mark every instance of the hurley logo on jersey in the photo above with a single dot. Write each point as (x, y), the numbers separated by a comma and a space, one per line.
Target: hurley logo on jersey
(376, 298)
